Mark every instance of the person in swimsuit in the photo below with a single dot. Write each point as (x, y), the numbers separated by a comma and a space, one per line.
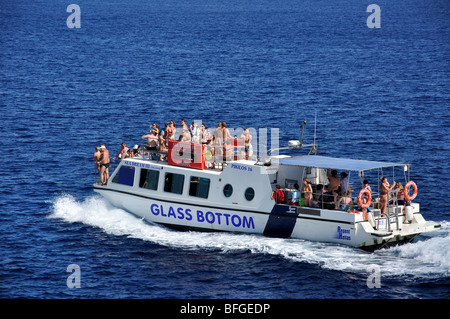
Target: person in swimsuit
(122, 153)
(164, 138)
(104, 165)
(334, 181)
(385, 188)
(171, 129)
(205, 134)
(307, 192)
(367, 186)
(217, 135)
(400, 193)
(225, 133)
(154, 127)
(185, 135)
(346, 200)
(247, 140)
(152, 140)
(97, 157)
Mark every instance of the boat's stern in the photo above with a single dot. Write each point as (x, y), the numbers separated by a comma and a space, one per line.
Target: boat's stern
(395, 228)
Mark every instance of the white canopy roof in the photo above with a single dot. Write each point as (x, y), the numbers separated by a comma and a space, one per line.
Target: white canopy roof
(343, 164)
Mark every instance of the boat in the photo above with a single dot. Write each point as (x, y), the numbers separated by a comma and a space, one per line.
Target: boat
(180, 189)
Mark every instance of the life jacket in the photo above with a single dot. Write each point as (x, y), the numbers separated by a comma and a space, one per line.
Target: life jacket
(280, 196)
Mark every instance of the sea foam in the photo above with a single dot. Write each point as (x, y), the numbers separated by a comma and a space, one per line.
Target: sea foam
(427, 257)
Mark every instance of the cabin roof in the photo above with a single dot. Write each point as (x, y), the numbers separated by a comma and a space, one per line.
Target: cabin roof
(334, 163)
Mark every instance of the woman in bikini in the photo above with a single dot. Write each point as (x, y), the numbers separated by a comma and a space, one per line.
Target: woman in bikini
(307, 192)
(385, 188)
(164, 139)
(173, 130)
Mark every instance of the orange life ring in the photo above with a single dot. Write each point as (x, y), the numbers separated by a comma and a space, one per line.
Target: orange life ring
(360, 198)
(407, 197)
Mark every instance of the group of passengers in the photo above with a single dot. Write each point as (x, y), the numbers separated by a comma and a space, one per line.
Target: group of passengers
(326, 197)
(218, 145)
(102, 160)
(337, 194)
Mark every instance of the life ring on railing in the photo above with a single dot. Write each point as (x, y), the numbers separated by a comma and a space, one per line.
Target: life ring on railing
(361, 197)
(407, 197)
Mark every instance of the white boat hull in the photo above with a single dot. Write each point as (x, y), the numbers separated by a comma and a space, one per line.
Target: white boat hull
(187, 216)
(283, 221)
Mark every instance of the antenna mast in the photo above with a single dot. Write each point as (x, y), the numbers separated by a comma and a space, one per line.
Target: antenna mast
(315, 123)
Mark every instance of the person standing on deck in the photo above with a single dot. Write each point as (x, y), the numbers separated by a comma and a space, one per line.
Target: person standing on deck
(334, 181)
(97, 157)
(225, 133)
(247, 143)
(104, 165)
(196, 133)
(152, 140)
(185, 134)
(122, 153)
(385, 188)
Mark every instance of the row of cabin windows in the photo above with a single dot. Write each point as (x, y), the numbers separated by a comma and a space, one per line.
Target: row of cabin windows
(249, 192)
(173, 183)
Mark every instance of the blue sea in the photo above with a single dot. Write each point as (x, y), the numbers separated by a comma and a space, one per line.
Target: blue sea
(369, 93)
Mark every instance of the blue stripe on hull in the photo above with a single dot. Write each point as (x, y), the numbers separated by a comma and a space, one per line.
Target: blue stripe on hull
(281, 221)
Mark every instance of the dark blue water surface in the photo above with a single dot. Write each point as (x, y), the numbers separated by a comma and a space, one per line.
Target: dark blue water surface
(379, 94)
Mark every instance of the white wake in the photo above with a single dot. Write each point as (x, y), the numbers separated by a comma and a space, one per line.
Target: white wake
(429, 257)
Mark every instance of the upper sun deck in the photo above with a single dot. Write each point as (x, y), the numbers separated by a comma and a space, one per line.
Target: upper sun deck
(212, 158)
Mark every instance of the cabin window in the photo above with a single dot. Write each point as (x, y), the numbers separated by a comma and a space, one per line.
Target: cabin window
(199, 187)
(173, 183)
(228, 190)
(149, 179)
(249, 193)
(125, 176)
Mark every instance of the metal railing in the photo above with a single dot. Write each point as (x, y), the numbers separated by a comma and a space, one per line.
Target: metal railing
(393, 213)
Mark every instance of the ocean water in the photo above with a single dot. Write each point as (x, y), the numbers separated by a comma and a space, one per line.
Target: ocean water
(378, 94)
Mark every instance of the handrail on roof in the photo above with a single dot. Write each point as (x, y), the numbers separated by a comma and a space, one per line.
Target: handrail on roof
(344, 164)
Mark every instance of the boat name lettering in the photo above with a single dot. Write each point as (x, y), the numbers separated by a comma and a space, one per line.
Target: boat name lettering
(382, 222)
(142, 165)
(240, 167)
(203, 217)
(343, 234)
